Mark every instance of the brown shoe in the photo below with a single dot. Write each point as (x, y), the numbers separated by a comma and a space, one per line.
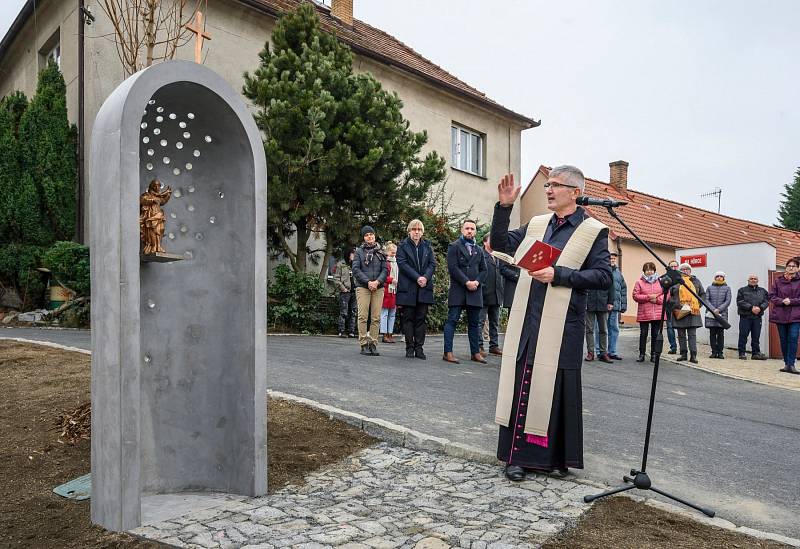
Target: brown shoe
(385, 338)
(477, 357)
(482, 352)
(390, 338)
(589, 356)
(497, 351)
(450, 357)
(605, 358)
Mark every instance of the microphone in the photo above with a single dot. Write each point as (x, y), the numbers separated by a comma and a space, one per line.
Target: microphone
(604, 202)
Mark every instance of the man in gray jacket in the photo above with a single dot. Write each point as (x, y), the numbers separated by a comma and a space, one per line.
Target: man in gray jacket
(599, 304)
(620, 306)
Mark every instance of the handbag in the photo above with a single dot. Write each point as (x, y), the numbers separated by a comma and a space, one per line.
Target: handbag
(685, 310)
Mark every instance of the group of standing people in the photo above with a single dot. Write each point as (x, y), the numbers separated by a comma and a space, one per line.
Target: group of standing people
(683, 312)
(374, 280)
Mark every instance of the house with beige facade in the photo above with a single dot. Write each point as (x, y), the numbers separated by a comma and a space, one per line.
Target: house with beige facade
(479, 138)
(677, 231)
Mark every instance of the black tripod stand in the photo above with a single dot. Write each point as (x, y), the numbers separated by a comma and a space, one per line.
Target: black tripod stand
(639, 478)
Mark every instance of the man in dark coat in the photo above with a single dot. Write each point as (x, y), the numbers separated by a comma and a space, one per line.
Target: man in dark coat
(562, 443)
(417, 263)
(510, 276)
(467, 270)
(599, 303)
(751, 302)
(492, 298)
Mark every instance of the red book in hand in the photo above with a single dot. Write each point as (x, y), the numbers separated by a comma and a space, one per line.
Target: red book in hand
(539, 256)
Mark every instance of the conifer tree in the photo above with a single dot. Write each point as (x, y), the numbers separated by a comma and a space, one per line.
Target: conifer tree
(789, 209)
(49, 160)
(11, 109)
(339, 152)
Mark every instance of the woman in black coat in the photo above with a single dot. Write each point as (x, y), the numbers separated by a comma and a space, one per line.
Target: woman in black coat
(417, 263)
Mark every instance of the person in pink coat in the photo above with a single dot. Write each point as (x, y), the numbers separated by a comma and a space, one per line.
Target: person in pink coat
(649, 295)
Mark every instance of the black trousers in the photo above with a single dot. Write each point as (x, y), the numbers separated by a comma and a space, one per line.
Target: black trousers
(414, 325)
(717, 339)
(750, 326)
(644, 327)
(348, 312)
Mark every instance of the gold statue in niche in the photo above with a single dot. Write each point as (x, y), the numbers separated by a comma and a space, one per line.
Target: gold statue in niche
(151, 217)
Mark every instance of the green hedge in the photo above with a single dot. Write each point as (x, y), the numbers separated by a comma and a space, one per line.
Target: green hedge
(295, 302)
(69, 263)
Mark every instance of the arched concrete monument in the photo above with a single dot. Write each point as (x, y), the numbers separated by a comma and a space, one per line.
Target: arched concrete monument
(179, 348)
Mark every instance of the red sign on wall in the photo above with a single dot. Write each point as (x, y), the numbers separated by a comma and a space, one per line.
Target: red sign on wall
(695, 261)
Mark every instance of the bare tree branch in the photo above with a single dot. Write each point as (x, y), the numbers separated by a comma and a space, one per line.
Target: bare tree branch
(143, 26)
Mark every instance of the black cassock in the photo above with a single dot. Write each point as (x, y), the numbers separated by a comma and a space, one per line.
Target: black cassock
(565, 432)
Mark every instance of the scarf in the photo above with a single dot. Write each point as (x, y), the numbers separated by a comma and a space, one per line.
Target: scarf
(715, 283)
(393, 272)
(369, 251)
(470, 243)
(651, 279)
(686, 298)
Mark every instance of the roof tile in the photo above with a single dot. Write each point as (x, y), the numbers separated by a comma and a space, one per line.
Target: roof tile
(692, 227)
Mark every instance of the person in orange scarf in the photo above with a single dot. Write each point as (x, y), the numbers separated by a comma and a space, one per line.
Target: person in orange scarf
(685, 309)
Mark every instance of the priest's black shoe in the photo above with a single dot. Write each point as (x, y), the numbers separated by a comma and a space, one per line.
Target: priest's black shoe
(640, 359)
(515, 473)
(420, 354)
(409, 353)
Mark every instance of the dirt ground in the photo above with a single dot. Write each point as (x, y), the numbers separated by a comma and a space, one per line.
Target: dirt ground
(39, 384)
(623, 523)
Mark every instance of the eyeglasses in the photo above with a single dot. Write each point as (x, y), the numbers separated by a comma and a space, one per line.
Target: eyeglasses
(791, 266)
(555, 185)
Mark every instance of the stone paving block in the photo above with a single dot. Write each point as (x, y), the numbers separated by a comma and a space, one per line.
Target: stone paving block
(420, 441)
(465, 451)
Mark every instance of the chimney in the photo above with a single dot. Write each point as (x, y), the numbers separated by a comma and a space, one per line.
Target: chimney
(619, 175)
(343, 11)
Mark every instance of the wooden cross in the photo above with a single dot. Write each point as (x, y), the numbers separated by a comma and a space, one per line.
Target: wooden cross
(201, 35)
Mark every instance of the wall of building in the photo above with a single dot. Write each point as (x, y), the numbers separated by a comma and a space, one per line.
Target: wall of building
(238, 35)
(737, 261)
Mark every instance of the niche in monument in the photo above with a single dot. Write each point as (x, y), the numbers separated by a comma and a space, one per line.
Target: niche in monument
(178, 247)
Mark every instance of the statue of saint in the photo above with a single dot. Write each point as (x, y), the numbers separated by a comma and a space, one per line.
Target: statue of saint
(151, 217)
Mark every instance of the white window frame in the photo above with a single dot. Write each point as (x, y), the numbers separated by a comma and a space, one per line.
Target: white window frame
(462, 155)
(54, 54)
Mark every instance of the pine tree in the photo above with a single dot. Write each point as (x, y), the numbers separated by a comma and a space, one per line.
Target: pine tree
(339, 152)
(789, 209)
(11, 109)
(49, 160)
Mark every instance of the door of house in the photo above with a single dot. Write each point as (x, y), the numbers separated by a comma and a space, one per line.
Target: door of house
(774, 340)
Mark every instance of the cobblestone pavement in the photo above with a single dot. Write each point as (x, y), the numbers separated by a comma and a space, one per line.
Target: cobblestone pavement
(388, 496)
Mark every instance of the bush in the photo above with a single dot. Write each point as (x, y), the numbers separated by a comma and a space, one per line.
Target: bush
(69, 263)
(18, 264)
(295, 300)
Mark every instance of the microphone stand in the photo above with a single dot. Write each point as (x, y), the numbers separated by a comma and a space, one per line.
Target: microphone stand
(639, 478)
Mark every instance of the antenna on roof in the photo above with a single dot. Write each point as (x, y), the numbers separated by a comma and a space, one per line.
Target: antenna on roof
(716, 192)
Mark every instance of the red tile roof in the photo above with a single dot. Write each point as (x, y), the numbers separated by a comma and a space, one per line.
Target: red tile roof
(372, 42)
(672, 224)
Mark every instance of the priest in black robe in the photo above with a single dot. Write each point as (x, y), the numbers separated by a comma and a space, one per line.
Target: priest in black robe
(562, 444)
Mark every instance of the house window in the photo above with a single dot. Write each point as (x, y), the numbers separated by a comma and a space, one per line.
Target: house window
(51, 51)
(467, 150)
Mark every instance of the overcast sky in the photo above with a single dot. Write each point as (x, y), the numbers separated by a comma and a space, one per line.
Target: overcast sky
(695, 94)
